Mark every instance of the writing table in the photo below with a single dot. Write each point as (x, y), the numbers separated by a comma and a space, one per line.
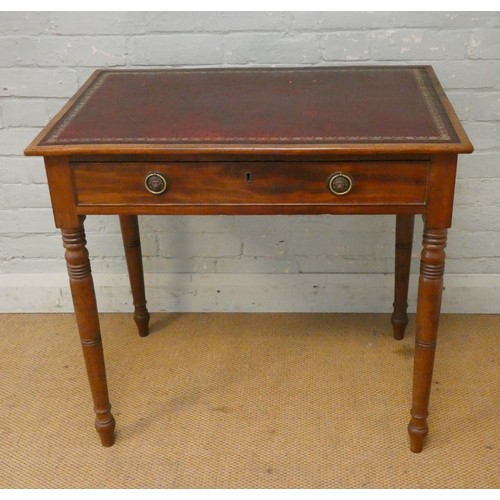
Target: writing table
(328, 140)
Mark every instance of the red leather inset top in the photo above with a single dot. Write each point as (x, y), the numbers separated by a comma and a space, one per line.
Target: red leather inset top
(261, 106)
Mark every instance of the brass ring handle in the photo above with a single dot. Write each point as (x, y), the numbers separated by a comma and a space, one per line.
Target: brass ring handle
(156, 183)
(339, 184)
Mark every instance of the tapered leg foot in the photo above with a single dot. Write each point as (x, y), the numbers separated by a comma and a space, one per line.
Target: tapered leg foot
(142, 322)
(404, 241)
(399, 325)
(418, 430)
(132, 244)
(106, 431)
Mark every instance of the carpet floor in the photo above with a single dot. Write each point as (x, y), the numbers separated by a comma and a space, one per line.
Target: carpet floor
(248, 401)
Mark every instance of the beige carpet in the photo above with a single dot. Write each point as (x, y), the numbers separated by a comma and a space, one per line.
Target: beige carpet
(248, 401)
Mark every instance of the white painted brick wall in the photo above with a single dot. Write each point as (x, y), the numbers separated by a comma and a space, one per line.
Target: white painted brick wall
(208, 263)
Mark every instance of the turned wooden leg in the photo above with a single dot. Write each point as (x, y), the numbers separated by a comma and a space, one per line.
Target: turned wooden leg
(404, 240)
(84, 301)
(428, 309)
(132, 244)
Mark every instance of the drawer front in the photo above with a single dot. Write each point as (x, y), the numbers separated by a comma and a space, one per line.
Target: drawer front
(251, 183)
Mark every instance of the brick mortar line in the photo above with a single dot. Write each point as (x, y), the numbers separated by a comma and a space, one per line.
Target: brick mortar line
(289, 30)
(319, 63)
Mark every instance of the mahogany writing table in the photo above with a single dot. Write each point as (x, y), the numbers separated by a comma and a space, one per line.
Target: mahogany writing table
(331, 140)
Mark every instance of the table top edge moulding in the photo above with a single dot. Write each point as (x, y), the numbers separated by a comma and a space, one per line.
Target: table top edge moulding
(256, 141)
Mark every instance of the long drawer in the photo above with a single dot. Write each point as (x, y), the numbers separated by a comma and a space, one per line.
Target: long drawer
(250, 183)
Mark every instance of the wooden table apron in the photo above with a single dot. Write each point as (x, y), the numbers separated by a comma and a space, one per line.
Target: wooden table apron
(256, 176)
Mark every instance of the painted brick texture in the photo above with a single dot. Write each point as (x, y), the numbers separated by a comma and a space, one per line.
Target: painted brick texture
(46, 56)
